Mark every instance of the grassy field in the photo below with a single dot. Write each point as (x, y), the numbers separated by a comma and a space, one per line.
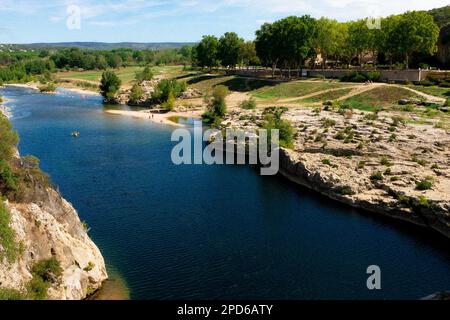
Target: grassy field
(205, 83)
(126, 74)
(295, 89)
(433, 90)
(327, 96)
(384, 97)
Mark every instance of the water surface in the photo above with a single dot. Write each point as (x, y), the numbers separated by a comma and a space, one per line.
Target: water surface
(210, 232)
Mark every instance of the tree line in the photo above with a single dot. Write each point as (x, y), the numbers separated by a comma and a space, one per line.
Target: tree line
(23, 66)
(293, 42)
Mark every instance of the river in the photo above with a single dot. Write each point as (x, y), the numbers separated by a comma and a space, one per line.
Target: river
(214, 232)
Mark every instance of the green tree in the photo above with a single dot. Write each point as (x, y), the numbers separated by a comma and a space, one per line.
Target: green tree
(8, 139)
(361, 38)
(328, 38)
(247, 54)
(228, 49)
(206, 52)
(136, 93)
(266, 45)
(110, 85)
(416, 32)
(145, 75)
(286, 42)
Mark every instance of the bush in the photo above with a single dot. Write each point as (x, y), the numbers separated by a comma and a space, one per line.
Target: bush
(11, 294)
(49, 87)
(354, 77)
(373, 76)
(249, 104)
(45, 273)
(272, 120)
(167, 87)
(37, 288)
(110, 85)
(217, 107)
(136, 94)
(8, 139)
(385, 162)
(8, 180)
(145, 75)
(169, 105)
(10, 248)
(425, 184)
(376, 176)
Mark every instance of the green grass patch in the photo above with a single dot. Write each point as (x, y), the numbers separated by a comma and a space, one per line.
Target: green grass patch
(10, 249)
(432, 90)
(295, 89)
(328, 96)
(384, 97)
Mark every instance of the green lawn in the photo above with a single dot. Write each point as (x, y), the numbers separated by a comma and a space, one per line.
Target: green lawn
(379, 97)
(327, 96)
(295, 89)
(433, 90)
(126, 74)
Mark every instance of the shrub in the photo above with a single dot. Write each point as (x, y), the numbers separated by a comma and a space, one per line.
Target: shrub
(327, 162)
(165, 87)
(45, 273)
(249, 104)
(272, 120)
(385, 162)
(425, 184)
(217, 107)
(345, 191)
(49, 87)
(145, 75)
(374, 76)
(361, 165)
(8, 180)
(8, 139)
(89, 267)
(327, 123)
(169, 105)
(423, 202)
(37, 288)
(136, 94)
(7, 236)
(376, 176)
(109, 85)
(11, 294)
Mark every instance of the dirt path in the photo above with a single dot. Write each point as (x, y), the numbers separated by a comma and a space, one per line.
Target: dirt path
(313, 94)
(424, 95)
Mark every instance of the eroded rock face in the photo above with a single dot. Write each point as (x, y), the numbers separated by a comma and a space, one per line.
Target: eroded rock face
(374, 162)
(52, 228)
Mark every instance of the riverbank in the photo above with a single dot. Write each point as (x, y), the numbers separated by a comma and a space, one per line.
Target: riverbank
(35, 86)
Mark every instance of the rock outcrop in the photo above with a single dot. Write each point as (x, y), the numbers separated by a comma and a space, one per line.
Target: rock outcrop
(47, 227)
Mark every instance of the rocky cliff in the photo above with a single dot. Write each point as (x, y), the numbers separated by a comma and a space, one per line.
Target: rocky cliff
(46, 226)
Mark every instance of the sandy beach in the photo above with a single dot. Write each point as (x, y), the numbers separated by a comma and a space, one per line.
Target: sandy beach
(157, 117)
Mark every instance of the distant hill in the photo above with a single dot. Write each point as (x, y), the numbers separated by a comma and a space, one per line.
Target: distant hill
(441, 15)
(106, 46)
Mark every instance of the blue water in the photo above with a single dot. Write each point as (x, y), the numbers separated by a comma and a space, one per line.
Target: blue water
(208, 232)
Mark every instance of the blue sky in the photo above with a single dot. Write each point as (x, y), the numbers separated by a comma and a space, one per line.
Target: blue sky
(26, 21)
